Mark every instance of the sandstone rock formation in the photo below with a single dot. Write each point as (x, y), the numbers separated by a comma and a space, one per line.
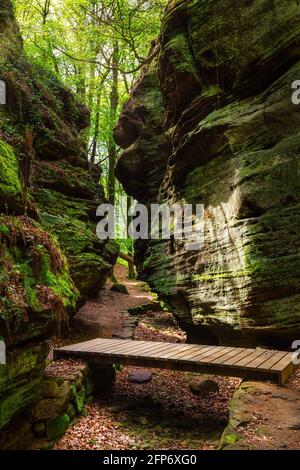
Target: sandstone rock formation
(50, 258)
(211, 121)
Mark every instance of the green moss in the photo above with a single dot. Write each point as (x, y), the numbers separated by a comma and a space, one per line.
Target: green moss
(213, 276)
(120, 288)
(228, 439)
(4, 229)
(61, 283)
(179, 53)
(57, 426)
(27, 272)
(10, 186)
(80, 398)
(16, 394)
(65, 177)
(54, 204)
(89, 272)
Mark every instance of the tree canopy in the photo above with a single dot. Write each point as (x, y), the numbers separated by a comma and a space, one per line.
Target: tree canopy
(96, 47)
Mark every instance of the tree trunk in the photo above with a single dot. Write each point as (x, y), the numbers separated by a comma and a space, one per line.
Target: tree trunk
(112, 148)
(131, 265)
(96, 129)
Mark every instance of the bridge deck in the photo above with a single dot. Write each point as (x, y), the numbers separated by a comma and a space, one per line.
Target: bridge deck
(260, 364)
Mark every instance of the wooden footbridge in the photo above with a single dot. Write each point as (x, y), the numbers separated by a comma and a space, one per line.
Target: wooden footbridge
(259, 364)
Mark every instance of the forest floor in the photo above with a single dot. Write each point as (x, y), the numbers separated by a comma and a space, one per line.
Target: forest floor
(163, 413)
(160, 414)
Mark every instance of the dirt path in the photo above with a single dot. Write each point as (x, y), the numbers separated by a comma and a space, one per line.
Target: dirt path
(107, 316)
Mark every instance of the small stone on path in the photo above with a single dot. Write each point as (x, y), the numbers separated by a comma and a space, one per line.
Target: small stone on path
(140, 376)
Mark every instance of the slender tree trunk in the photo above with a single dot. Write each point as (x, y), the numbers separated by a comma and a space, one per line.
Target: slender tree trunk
(131, 264)
(97, 124)
(112, 148)
(46, 11)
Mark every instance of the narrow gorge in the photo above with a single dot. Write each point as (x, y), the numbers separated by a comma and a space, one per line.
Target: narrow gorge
(88, 118)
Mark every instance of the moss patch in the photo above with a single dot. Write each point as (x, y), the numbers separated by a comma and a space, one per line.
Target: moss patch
(10, 186)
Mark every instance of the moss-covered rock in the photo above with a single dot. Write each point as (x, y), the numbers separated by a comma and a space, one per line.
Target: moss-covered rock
(90, 272)
(10, 186)
(65, 178)
(232, 145)
(49, 194)
(17, 392)
(57, 426)
(37, 292)
(120, 288)
(80, 399)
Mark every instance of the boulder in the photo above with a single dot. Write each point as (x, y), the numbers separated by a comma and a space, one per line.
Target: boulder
(202, 386)
(154, 306)
(49, 389)
(120, 288)
(51, 407)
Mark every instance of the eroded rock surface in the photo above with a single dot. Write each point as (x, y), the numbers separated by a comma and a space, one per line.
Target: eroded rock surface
(50, 258)
(211, 121)
(264, 416)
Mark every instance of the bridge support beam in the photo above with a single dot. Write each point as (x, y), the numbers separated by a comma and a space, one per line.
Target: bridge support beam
(103, 377)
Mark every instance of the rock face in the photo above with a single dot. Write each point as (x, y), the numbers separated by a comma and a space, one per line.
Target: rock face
(50, 258)
(263, 416)
(211, 121)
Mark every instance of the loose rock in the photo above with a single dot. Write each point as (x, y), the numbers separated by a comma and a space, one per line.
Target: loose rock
(140, 376)
(201, 386)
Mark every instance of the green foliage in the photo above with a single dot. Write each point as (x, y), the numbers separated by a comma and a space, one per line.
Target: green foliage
(82, 42)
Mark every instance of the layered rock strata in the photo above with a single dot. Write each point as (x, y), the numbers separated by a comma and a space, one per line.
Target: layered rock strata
(211, 121)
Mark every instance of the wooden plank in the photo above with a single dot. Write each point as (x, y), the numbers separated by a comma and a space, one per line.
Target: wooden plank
(136, 349)
(272, 361)
(124, 348)
(190, 356)
(211, 354)
(217, 356)
(183, 352)
(228, 355)
(79, 346)
(259, 360)
(152, 352)
(103, 347)
(255, 354)
(86, 346)
(121, 343)
(156, 353)
(238, 357)
(206, 351)
(283, 363)
(285, 368)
